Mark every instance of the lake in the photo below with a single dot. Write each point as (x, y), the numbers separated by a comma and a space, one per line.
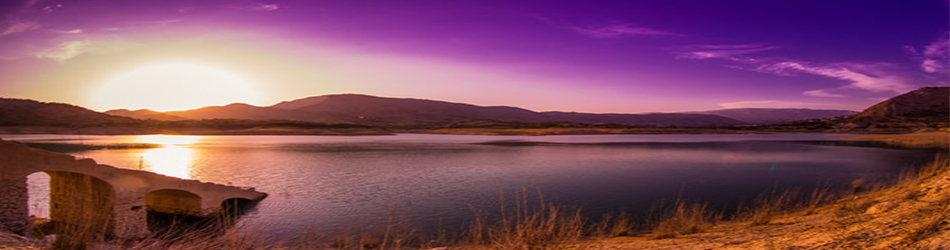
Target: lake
(329, 183)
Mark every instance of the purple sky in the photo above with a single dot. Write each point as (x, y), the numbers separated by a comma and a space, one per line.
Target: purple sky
(589, 56)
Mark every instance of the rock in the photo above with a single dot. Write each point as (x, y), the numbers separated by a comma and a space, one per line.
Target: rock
(880, 207)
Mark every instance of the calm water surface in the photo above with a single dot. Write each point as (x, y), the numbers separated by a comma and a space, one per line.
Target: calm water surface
(329, 183)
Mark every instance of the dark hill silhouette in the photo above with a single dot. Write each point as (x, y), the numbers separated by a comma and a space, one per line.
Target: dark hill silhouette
(406, 112)
(22, 112)
(419, 113)
(927, 108)
(928, 104)
(233, 111)
(769, 115)
(144, 114)
(300, 103)
(654, 119)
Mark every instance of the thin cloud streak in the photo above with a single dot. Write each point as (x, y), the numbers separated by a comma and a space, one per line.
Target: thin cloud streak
(860, 76)
(729, 52)
(65, 51)
(68, 32)
(779, 105)
(18, 26)
(618, 30)
(821, 93)
(253, 6)
(935, 57)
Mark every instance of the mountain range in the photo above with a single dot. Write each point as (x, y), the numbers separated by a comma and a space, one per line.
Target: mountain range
(768, 115)
(927, 107)
(23, 112)
(416, 113)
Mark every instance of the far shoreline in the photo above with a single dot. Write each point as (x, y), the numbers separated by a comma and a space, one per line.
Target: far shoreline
(131, 130)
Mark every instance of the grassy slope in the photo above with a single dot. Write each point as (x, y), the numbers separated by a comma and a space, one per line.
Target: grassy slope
(914, 214)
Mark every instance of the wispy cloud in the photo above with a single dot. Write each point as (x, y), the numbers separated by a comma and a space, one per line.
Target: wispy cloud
(618, 30)
(142, 25)
(254, 6)
(729, 52)
(65, 51)
(51, 8)
(68, 32)
(779, 104)
(18, 26)
(860, 76)
(821, 93)
(935, 57)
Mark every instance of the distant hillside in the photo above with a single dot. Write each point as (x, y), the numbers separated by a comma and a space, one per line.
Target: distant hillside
(20, 112)
(655, 119)
(926, 108)
(418, 113)
(233, 111)
(929, 105)
(767, 115)
(144, 114)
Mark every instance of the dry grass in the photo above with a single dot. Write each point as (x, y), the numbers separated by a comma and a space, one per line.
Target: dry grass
(684, 219)
(770, 206)
(932, 227)
(538, 227)
(615, 226)
(916, 140)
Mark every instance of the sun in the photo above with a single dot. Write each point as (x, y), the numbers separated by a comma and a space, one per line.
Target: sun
(173, 86)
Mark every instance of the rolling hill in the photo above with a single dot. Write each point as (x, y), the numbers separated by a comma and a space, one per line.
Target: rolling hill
(928, 105)
(419, 113)
(144, 114)
(22, 112)
(927, 108)
(769, 115)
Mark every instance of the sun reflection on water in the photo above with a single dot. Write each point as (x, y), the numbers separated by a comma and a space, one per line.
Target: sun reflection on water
(168, 140)
(174, 157)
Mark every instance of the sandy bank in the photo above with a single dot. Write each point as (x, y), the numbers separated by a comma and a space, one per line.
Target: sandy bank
(914, 214)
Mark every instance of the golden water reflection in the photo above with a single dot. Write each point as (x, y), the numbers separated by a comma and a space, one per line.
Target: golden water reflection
(174, 157)
(169, 140)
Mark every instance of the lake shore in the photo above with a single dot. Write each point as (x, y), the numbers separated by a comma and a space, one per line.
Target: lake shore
(131, 130)
(241, 127)
(912, 214)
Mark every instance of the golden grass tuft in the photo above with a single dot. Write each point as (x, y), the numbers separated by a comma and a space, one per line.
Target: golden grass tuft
(684, 219)
(539, 227)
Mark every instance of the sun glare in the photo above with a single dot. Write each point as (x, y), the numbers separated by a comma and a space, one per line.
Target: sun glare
(170, 161)
(173, 86)
(168, 140)
(174, 158)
